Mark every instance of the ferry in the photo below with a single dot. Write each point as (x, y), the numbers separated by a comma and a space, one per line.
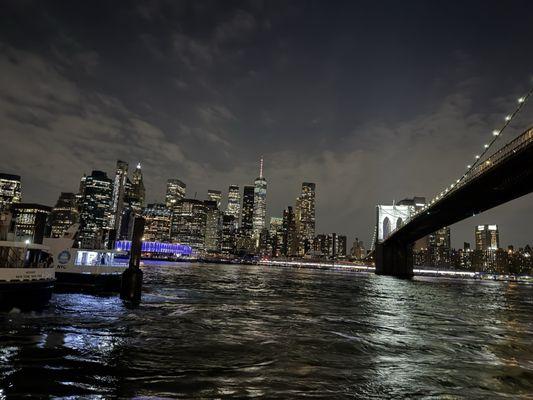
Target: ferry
(27, 275)
(85, 270)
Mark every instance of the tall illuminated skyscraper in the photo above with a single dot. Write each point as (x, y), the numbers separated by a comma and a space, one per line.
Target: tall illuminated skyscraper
(10, 190)
(259, 214)
(138, 192)
(247, 211)
(487, 237)
(95, 204)
(234, 202)
(119, 188)
(175, 192)
(305, 217)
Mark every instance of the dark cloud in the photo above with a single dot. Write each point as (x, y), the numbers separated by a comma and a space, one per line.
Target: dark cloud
(373, 101)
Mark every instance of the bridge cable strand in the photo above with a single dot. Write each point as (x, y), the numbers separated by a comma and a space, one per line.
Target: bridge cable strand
(496, 134)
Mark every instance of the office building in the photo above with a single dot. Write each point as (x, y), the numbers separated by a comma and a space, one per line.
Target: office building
(234, 203)
(10, 191)
(289, 246)
(212, 226)
(228, 240)
(64, 214)
(137, 193)
(216, 196)
(119, 189)
(157, 219)
(95, 205)
(487, 237)
(305, 217)
(276, 236)
(259, 207)
(247, 211)
(30, 221)
(175, 192)
(189, 219)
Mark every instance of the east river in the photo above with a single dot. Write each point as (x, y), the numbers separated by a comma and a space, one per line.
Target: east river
(237, 331)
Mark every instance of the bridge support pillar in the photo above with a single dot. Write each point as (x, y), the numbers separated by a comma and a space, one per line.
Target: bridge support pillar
(394, 259)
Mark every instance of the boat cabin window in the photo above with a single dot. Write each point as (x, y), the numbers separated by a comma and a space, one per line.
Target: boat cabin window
(21, 257)
(87, 257)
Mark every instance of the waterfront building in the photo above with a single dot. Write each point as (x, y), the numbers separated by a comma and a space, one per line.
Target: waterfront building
(340, 247)
(216, 196)
(95, 207)
(212, 226)
(259, 207)
(189, 224)
(64, 214)
(487, 237)
(228, 240)
(358, 249)
(487, 243)
(439, 247)
(157, 223)
(247, 211)
(234, 203)
(305, 217)
(320, 248)
(175, 192)
(119, 189)
(10, 191)
(276, 236)
(30, 221)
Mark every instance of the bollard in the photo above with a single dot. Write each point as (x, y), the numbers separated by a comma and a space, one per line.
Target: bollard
(132, 278)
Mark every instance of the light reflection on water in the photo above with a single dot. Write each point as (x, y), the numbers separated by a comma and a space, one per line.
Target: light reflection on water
(228, 331)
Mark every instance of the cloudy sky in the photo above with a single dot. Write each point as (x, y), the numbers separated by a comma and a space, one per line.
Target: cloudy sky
(374, 101)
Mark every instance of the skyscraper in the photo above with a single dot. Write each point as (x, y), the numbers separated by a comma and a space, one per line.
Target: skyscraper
(119, 188)
(259, 213)
(30, 221)
(175, 192)
(64, 214)
(439, 247)
(247, 211)
(189, 223)
(289, 247)
(234, 202)
(487, 237)
(212, 226)
(138, 192)
(215, 195)
(157, 223)
(10, 191)
(95, 208)
(276, 236)
(305, 217)
(229, 235)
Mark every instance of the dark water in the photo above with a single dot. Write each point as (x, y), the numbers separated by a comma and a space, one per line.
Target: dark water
(222, 331)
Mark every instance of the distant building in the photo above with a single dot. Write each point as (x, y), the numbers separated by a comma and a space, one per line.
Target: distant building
(340, 244)
(439, 247)
(487, 237)
(157, 223)
(10, 191)
(95, 205)
(119, 189)
(138, 192)
(247, 211)
(305, 217)
(212, 226)
(189, 219)
(64, 214)
(259, 207)
(234, 203)
(289, 246)
(228, 241)
(358, 250)
(30, 221)
(175, 192)
(216, 196)
(276, 236)
(320, 246)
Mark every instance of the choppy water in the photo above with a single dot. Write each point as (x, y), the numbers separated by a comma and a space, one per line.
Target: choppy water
(228, 331)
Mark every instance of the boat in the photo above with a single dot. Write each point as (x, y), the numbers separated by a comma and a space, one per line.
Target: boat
(27, 275)
(85, 270)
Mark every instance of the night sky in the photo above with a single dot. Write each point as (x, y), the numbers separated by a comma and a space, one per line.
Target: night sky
(373, 101)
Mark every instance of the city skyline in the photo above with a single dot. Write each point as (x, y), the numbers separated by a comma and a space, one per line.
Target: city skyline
(204, 112)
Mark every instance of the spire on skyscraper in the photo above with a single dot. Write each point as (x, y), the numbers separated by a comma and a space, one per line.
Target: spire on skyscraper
(261, 168)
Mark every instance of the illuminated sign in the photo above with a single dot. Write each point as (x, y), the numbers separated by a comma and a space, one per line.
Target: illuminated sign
(156, 247)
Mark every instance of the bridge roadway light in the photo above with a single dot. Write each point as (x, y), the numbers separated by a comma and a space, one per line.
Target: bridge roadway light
(507, 117)
(469, 166)
(495, 132)
(486, 146)
(521, 99)
(477, 156)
